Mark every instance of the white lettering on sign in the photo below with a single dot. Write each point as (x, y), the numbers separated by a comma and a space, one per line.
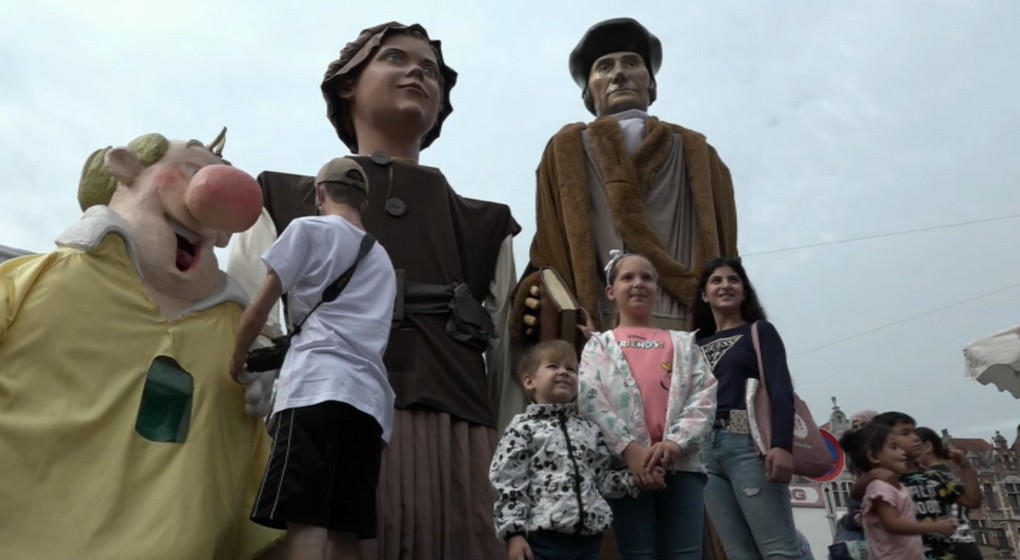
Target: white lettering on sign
(804, 495)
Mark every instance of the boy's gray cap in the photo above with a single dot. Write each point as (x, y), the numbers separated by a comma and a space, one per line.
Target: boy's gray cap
(345, 171)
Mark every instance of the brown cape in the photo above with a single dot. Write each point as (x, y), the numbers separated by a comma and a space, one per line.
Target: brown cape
(563, 238)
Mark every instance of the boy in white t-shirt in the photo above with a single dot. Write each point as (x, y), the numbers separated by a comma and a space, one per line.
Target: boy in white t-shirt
(333, 412)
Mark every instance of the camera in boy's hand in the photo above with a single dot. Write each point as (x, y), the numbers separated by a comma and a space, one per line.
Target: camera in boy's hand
(269, 357)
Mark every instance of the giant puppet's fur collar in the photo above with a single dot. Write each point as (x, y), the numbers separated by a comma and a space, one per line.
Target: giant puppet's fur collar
(626, 180)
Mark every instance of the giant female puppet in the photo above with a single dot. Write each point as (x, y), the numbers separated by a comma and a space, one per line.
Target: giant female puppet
(121, 435)
(627, 180)
(387, 96)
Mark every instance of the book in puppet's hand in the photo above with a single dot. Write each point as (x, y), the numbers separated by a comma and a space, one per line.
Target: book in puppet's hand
(559, 312)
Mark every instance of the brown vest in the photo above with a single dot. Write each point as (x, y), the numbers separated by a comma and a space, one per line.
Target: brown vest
(435, 237)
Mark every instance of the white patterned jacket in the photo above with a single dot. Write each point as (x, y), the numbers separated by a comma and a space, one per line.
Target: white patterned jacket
(609, 396)
(551, 471)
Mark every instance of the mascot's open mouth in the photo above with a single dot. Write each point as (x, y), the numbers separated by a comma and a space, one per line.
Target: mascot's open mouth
(187, 250)
(187, 254)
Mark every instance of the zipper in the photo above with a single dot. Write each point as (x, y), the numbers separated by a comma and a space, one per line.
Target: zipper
(577, 475)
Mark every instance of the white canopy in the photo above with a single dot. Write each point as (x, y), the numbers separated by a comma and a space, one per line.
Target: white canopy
(995, 360)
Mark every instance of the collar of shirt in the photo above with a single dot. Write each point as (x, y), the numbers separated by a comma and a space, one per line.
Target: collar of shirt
(551, 410)
(632, 123)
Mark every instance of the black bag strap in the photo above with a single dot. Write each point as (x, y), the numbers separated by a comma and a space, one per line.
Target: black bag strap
(333, 290)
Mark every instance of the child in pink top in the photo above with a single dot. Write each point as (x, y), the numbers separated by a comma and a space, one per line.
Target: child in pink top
(649, 353)
(890, 525)
(651, 393)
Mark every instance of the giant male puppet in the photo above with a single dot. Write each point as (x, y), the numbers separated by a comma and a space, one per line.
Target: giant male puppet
(387, 97)
(121, 434)
(627, 180)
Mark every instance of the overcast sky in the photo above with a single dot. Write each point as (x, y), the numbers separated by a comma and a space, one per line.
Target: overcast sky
(837, 120)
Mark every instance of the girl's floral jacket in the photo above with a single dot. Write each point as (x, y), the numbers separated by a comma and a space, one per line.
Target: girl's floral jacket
(551, 471)
(609, 396)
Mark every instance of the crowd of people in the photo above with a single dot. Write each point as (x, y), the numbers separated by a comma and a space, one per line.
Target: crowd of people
(641, 435)
(398, 431)
(671, 405)
(910, 492)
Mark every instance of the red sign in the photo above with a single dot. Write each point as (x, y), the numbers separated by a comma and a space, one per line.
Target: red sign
(838, 458)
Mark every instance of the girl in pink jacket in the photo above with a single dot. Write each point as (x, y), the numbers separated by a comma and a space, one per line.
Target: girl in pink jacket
(652, 394)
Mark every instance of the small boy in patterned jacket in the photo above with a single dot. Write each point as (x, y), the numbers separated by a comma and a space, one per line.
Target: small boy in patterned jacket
(551, 468)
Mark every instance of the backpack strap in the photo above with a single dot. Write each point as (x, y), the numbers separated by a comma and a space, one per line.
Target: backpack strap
(333, 290)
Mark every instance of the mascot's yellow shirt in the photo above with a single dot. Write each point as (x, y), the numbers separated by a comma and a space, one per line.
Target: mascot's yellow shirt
(121, 434)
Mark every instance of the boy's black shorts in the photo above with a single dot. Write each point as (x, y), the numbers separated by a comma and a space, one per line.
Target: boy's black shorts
(323, 471)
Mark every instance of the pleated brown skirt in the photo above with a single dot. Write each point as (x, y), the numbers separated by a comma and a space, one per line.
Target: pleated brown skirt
(435, 500)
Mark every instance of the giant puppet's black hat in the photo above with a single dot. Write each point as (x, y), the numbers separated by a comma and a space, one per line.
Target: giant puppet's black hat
(609, 36)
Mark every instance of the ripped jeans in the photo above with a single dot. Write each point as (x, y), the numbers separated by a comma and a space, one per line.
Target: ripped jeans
(752, 516)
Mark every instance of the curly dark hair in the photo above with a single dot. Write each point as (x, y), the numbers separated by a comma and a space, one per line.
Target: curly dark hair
(750, 309)
(938, 448)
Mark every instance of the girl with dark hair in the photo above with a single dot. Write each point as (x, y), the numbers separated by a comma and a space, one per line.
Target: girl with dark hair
(849, 528)
(890, 526)
(704, 314)
(934, 450)
(935, 456)
(747, 495)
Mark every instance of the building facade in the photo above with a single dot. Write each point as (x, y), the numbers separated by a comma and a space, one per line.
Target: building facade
(996, 524)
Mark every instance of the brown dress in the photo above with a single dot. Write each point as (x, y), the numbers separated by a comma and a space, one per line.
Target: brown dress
(435, 500)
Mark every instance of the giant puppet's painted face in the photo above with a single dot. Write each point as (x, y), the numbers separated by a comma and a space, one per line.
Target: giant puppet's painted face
(400, 83)
(618, 82)
(177, 210)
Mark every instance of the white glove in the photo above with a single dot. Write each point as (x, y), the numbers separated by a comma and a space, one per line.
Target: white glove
(258, 391)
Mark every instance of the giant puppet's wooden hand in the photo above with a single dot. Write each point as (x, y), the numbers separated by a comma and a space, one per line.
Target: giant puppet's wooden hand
(532, 309)
(533, 312)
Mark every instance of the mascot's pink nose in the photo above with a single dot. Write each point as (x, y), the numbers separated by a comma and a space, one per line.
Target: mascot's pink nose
(224, 198)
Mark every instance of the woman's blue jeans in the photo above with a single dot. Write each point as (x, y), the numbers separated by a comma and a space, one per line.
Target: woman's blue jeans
(662, 525)
(752, 515)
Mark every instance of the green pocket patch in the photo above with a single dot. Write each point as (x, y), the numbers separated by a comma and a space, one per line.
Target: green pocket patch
(165, 412)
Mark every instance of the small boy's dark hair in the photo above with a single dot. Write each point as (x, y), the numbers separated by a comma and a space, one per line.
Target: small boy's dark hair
(857, 444)
(890, 419)
(553, 350)
(928, 435)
